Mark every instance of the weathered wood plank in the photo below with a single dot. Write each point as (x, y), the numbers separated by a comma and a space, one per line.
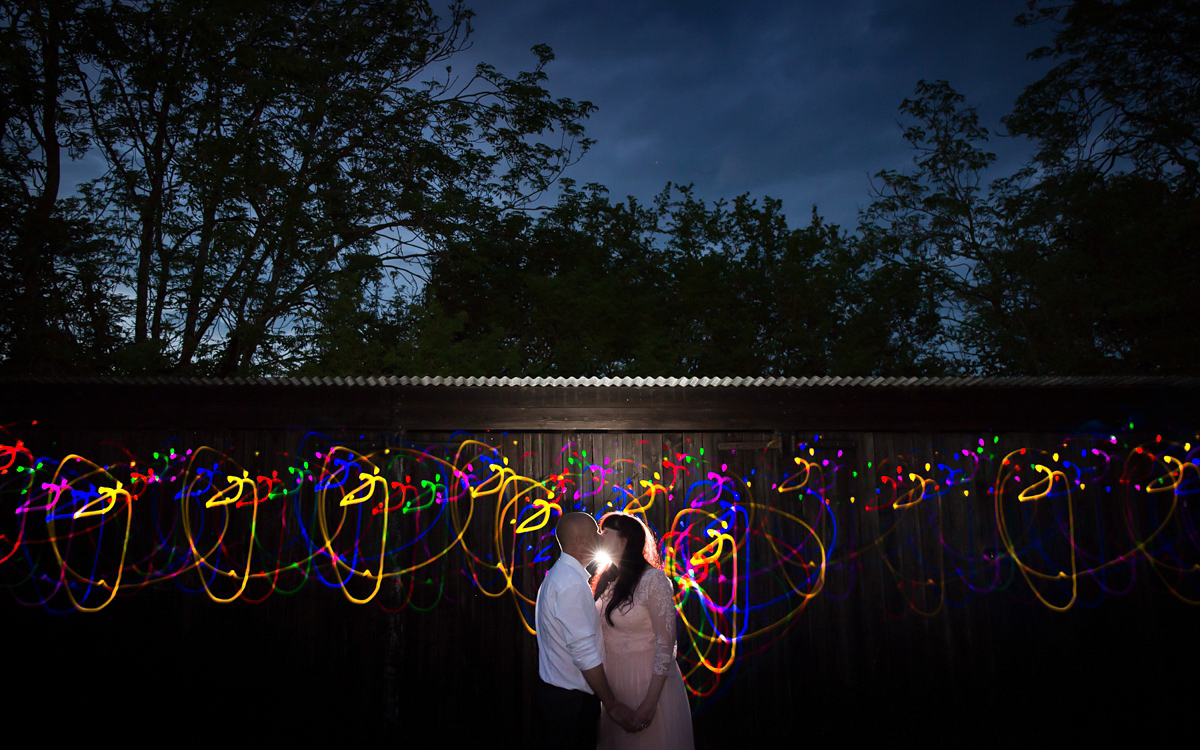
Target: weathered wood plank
(728, 409)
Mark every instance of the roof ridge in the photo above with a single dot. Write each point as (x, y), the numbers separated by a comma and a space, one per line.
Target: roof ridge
(621, 382)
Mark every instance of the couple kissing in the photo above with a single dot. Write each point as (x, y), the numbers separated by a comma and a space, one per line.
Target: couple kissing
(606, 643)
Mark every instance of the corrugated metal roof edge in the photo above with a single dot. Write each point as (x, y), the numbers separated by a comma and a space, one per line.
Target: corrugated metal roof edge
(659, 382)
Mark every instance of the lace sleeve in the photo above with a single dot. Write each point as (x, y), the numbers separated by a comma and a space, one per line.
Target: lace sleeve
(655, 589)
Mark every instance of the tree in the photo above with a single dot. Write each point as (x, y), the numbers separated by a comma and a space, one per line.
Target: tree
(1076, 264)
(57, 310)
(1072, 272)
(577, 290)
(1126, 94)
(677, 285)
(944, 229)
(1116, 210)
(259, 154)
(1116, 260)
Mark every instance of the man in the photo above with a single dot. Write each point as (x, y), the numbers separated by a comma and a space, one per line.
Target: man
(571, 645)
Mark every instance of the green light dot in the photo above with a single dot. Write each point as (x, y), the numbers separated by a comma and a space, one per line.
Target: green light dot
(155, 454)
(868, 464)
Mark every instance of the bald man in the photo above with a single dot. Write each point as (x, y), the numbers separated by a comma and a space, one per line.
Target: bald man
(571, 645)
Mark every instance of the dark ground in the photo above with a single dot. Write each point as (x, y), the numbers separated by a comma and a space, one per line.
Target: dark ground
(167, 666)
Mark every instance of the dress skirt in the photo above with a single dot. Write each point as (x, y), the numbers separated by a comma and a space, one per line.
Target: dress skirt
(629, 676)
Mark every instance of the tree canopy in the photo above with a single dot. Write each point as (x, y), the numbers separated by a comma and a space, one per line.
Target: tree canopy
(314, 188)
(678, 285)
(256, 153)
(1123, 96)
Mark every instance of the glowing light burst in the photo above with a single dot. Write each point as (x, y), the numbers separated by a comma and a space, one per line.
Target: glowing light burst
(748, 554)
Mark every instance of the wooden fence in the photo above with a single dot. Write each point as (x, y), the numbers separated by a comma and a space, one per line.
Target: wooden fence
(872, 582)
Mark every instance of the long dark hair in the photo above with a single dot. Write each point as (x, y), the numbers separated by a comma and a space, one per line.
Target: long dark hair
(625, 571)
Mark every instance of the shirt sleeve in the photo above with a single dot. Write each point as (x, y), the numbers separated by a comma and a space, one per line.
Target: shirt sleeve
(578, 615)
(655, 587)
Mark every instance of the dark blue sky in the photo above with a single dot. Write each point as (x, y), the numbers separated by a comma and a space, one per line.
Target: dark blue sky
(796, 100)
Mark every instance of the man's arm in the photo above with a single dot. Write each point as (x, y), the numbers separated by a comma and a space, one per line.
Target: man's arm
(578, 618)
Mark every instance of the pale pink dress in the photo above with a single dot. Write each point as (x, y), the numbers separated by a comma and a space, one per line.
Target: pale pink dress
(641, 643)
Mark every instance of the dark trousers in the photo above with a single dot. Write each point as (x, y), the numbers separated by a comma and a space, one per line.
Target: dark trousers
(566, 719)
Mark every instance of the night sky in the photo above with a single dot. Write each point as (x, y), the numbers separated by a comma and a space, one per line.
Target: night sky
(796, 100)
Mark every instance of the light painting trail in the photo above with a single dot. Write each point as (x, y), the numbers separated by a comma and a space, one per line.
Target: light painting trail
(1075, 523)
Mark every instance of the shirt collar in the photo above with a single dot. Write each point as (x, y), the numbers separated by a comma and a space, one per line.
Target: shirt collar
(575, 566)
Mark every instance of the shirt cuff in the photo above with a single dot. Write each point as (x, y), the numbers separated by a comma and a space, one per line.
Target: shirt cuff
(587, 660)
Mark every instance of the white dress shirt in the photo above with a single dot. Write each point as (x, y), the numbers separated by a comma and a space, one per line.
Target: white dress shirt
(568, 626)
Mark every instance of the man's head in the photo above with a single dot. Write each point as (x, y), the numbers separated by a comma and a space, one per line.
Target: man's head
(578, 535)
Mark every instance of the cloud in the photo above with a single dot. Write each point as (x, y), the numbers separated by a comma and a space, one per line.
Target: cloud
(797, 100)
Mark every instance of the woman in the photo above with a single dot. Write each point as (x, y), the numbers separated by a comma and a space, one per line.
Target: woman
(637, 613)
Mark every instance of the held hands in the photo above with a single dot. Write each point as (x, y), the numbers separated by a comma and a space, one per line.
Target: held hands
(644, 715)
(624, 716)
(630, 720)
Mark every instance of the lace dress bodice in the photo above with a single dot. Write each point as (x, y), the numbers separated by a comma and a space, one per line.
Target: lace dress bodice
(645, 624)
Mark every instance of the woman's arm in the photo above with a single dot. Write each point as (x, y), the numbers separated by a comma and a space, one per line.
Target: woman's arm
(645, 712)
(660, 601)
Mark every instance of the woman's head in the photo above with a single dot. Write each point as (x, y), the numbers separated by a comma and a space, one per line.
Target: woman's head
(626, 539)
(631, 547)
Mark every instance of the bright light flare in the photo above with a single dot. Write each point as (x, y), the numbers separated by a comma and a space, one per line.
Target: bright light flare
(602, 559)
